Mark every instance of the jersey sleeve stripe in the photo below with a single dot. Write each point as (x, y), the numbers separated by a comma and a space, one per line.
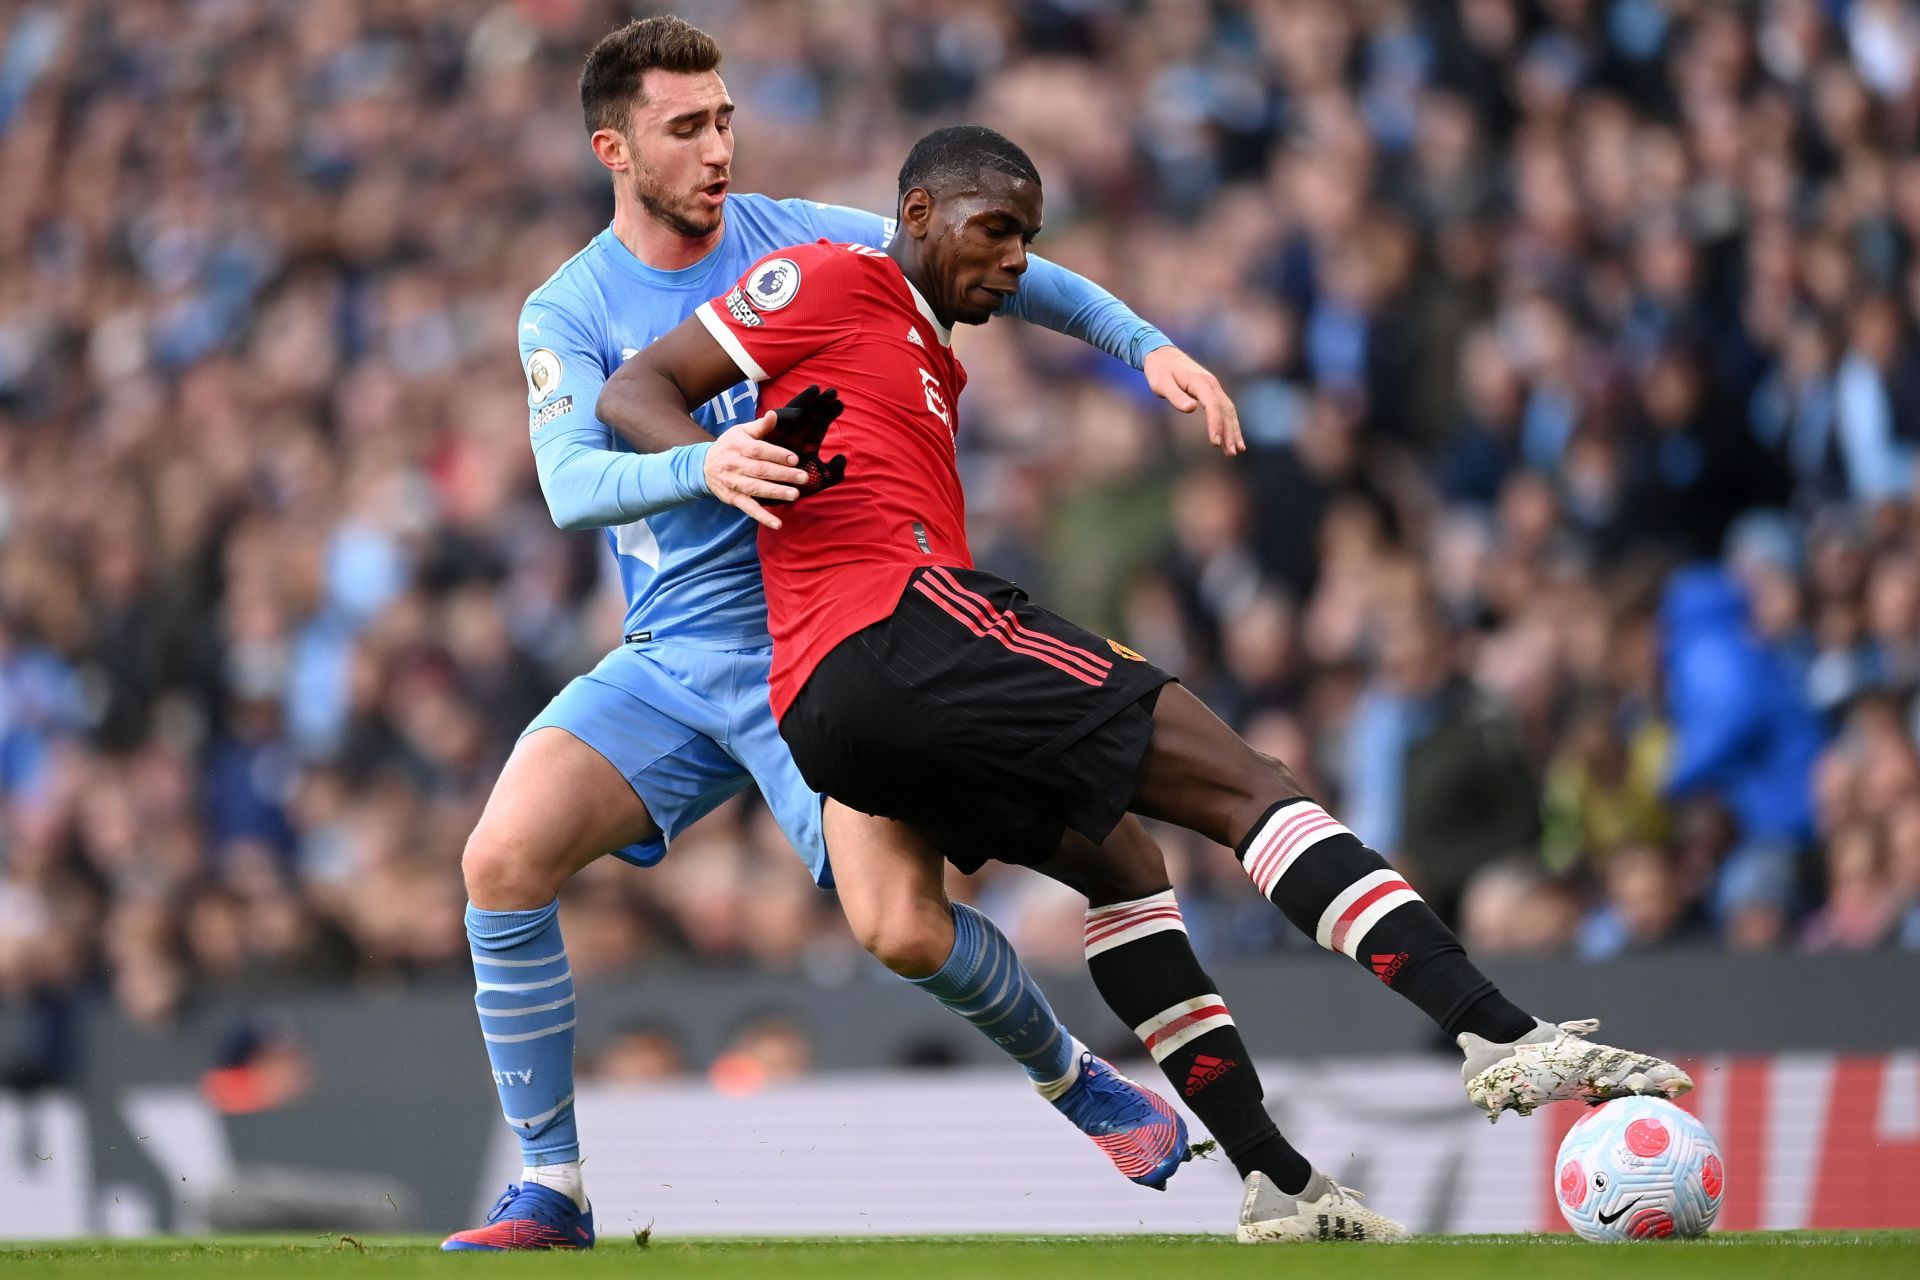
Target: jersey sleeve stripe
(730, 342)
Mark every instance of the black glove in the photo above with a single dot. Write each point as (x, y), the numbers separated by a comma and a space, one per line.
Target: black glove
(802, 426)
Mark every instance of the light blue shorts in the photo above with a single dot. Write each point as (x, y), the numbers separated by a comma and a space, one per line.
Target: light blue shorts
(688, 729)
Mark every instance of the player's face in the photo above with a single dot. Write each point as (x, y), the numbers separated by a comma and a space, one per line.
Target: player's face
(680, 146)
(977, 245)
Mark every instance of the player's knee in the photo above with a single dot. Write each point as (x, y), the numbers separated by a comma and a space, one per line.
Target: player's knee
(1127, 866)
(913, 942)
(506, 871)
(1243, 773)
(1280, 780)
(1124, 881)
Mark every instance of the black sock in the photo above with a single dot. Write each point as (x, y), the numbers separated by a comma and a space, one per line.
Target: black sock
(1146, 971)
(1347, 898)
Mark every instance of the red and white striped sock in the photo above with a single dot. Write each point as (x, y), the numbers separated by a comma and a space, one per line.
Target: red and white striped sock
(1124, 922)
(1348, 899)
(1143, 963)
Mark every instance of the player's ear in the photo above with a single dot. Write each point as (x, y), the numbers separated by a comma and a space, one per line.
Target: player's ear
(610, 149)
(916, 211)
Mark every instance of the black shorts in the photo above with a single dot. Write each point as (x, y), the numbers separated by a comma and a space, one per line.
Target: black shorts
(989, 723)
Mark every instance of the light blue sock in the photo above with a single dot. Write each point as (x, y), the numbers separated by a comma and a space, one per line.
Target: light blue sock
(984, 982)
(524, 992)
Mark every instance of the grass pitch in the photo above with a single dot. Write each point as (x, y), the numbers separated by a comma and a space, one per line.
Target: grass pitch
(1752, 1256)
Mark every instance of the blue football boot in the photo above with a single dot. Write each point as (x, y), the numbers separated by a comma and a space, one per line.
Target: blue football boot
(1143, 1136)
(528, 1216)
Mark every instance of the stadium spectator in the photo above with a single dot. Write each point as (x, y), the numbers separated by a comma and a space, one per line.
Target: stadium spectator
(638, 1052)
(1646, 906)
(766, 1049)
(1524, 305)
(1861, 908)
(1513, 907)
(1743, 731)
(1435, 768)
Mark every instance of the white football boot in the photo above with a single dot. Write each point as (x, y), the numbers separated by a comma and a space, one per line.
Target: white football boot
(1325, 1210)
(1558, 1064)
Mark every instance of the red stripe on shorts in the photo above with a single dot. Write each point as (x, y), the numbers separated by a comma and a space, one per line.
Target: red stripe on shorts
(991, 615)
(984, 633)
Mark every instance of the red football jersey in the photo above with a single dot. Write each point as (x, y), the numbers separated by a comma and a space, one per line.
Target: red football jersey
(845, 316)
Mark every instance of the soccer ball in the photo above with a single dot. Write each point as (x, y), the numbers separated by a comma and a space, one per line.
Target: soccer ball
(1639, 1169)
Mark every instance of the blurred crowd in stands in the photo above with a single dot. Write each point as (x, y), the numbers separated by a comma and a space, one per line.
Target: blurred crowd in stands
(1576, 561)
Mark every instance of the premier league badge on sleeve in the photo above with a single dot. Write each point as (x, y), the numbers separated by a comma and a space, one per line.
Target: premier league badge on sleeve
(773, 284)
(543, 375)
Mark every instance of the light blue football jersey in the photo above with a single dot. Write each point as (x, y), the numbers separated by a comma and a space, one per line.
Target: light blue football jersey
(691, 572)
(691, 569)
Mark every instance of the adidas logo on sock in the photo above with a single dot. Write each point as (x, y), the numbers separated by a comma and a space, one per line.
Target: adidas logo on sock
(1206, 1070)
(1387, 965)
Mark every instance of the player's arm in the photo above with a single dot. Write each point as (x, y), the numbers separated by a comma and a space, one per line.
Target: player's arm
(647, 401)
(588, 484)
(1066, 302)
(790, 305)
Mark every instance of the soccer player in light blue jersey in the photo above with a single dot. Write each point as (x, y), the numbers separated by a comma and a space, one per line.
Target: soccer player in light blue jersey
(676, 720)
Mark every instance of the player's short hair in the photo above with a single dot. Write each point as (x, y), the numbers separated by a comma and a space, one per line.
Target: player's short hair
(952, 158)
(610, 82)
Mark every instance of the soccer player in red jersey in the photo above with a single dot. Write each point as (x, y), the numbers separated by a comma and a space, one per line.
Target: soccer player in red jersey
(912, 687)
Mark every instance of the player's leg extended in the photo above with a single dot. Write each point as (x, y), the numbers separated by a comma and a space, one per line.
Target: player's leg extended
(557, 806)
(891, 884)
(1199, 774)
(1144, 966)
(1143, 963)
(892, 891)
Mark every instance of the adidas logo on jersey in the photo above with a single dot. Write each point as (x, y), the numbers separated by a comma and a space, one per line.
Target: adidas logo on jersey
(913, 336)
(1205, 1071)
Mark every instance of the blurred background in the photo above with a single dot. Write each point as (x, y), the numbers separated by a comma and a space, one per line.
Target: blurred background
(1575, 563)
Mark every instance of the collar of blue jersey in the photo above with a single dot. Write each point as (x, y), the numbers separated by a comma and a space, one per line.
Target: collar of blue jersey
(940, 331)
(688, 277)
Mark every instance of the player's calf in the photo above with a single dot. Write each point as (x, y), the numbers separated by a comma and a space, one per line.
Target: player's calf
(1346, 897)
(557, 805)
(1143, 964)
(913, 941)
(892, 892)
(523, 993)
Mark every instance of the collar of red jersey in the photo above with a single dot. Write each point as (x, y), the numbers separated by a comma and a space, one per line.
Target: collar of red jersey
(940, 331)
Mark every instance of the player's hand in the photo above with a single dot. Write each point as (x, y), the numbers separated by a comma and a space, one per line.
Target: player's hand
(1186, 384)
(744, 469)
(803, 423)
